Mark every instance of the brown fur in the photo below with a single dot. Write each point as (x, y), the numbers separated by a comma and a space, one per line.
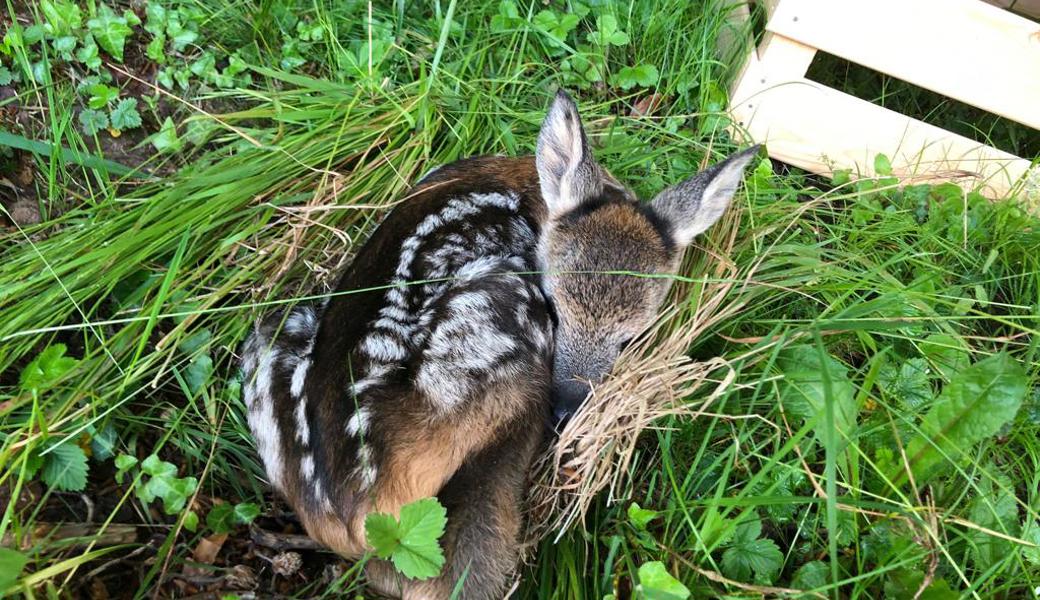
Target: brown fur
(473, 452)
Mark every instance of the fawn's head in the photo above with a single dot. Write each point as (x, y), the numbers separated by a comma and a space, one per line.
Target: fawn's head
(597, 230)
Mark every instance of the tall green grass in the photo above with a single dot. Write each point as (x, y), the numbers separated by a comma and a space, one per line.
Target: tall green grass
(153, 284)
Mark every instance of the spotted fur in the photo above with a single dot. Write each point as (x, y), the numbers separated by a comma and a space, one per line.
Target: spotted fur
(439, 382)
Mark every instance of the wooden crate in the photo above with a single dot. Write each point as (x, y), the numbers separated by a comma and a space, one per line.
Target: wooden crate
(967, 50)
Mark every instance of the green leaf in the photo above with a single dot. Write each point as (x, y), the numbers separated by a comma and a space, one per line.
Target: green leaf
(155, 18)
(245, 512)
(11, 564)
(903, 585)
(191, 521)
(61, 16)
(65, 468)
(101, 95)
(607, 32)
(656, 583)
(556, 27)
(41, 72)
(103, 442)
(382, 533)
(88, 54)
(812, 575)
(221, 518)
(110, 31)
(164, 484)
(125, 116)
(1031, 534)
(642, 75)
(907, 382)
(749, 555)
(412, 542)
(124, 462)
(64, 46)
(508, 17)
(841, 177)
(34, 34)
(166, 139)
(156, 49)
(180, 35)
(976, 403)
(804, 393)
(5, 75)
(92, 121)
(47, 149)
(198, 373)
(156, 467)
(640, 517)
(882, 166)
(994, 508)
(946, 353)
(46, 369)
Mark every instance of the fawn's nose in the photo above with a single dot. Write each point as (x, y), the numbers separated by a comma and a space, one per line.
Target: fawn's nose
(567, 397)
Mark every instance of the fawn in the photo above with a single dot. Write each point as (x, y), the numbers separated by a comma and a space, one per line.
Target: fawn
(493, 313)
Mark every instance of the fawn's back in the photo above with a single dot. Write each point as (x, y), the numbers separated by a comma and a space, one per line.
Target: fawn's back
(485, 300)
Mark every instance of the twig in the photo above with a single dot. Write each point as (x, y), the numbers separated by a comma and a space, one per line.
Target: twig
(283, 541)
(116, 561)
(89, 534)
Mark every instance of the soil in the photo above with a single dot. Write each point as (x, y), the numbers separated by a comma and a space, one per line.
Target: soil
(23, 176)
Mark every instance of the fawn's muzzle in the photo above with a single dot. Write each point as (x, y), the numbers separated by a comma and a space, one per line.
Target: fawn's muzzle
(567, 397)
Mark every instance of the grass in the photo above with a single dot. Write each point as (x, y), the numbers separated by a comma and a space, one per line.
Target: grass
(861, 308)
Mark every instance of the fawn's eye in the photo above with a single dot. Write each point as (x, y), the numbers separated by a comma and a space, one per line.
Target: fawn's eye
(550, 307)
(624, 344)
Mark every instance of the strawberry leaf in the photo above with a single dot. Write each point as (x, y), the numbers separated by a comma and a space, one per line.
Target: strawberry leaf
(47, 368)
(125, 116)
(411, 542)
(65, 468)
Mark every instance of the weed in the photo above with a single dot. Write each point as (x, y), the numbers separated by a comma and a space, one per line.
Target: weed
(880, 435)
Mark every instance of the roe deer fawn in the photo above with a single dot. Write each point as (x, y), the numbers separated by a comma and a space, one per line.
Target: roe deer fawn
(494, 312)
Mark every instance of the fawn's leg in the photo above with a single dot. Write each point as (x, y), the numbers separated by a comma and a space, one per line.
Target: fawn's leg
(484, 500)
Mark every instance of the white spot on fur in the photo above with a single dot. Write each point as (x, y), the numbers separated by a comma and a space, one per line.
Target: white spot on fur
(481, 267)
(396, 297)
(384, 348)
(261, 415)
(374, 378)
(367, 468)
(307, 466)
(303, 429)
(393, 326)
(299, 377)
(466, 341)
(395, 313)
(509, 201)
(358, 422)
(301, 320)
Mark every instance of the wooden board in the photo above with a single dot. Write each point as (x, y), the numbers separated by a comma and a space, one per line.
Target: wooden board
(820, 129)
(1029, 8)
(963, 49)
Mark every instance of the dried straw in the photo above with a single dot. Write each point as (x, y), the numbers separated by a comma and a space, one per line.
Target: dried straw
(652, 380)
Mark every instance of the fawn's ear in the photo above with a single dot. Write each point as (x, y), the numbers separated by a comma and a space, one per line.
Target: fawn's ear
(691, 207)
(567, 172)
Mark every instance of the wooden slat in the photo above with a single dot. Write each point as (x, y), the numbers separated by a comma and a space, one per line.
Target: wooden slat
(964, 49)
(1023, 7)
(820, 129)
(788, 60)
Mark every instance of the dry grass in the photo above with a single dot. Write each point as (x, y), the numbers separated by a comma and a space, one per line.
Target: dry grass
(652, 380)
